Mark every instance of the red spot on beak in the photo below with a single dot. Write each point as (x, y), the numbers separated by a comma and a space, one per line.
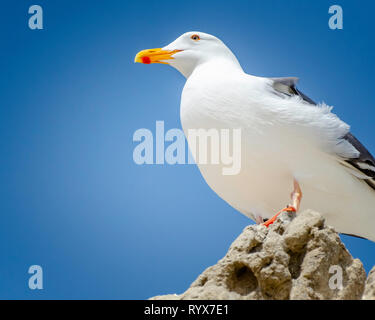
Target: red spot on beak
(146, 60)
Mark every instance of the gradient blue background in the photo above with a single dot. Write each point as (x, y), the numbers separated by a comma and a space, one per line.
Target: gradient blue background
(71, 198)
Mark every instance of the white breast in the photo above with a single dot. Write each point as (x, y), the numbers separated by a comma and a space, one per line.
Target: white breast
(219, 103)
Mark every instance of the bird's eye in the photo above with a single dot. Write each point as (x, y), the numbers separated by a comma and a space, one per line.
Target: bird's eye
(195, 37)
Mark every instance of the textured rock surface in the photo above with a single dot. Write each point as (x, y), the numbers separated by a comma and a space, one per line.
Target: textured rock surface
(369, 293)
(296, 258)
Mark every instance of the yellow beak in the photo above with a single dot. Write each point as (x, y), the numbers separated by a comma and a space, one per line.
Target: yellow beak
(154, 56)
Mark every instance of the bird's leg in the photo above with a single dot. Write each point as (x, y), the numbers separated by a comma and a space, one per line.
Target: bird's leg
(296, 195)
(296, 201)
(258, 219)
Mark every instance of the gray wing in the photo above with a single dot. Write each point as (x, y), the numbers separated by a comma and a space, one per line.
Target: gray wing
(364, 163)
(363, 167)
(287, 86)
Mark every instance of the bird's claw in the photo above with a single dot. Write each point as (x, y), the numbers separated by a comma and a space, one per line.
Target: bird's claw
(273, 219)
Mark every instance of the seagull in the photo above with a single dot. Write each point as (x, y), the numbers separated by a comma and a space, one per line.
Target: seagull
(291, 147)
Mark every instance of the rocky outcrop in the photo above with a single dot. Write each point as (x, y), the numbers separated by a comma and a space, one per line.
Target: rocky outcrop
(295, 258)
(369, 293)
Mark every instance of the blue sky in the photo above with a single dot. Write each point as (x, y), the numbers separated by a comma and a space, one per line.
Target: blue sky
(73, 200)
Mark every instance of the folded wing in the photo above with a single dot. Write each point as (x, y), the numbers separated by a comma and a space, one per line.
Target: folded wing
(362, 166)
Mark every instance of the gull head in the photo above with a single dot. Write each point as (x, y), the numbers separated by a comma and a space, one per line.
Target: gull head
(189, 51)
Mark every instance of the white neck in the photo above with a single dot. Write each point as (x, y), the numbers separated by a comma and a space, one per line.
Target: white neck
(226, 62)
(218, 67)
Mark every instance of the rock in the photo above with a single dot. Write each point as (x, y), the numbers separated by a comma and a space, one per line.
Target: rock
(167, 297)
(295, 258)
(369, 293)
